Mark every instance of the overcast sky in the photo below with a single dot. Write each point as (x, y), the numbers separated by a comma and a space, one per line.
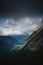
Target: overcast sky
(22, 26)
(21, 8)
(20, 16)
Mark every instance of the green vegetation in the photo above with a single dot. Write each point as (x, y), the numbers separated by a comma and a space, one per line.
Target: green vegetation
(13, 50)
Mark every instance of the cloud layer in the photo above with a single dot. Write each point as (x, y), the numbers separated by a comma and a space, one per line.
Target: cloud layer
(22, 26)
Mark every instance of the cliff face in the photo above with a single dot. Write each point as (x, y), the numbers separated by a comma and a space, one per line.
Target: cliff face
(35, 40)
(33, 47)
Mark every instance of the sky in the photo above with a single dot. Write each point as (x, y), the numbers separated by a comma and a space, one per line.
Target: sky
(22, 26)
(21, 8)
(20, 16)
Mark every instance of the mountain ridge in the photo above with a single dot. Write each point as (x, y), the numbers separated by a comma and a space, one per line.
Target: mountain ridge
(33, 43)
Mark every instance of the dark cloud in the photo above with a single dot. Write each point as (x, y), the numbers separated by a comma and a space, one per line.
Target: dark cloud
(19, 8)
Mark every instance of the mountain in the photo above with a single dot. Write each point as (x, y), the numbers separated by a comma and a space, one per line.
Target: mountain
(21, 38)
(31, 52)
(32, 49)
(6, 42)
(33, 44)
(20, 45)
(11, 42)
(35, 40)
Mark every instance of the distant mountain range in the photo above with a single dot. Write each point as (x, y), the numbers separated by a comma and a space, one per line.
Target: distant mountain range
(7, 42)
(21, 38)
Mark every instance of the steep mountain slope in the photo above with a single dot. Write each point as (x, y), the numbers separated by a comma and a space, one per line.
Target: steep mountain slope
(33, 43)
(35, 40)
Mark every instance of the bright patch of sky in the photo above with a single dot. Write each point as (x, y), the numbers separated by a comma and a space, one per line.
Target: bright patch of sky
(18, 27)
